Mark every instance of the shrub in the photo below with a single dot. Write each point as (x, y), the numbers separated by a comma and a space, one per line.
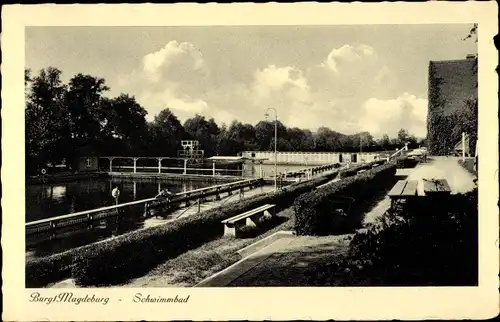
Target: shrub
(433, 243)
(405, 162)
(314, 211)
(42, 271)
(133, 254)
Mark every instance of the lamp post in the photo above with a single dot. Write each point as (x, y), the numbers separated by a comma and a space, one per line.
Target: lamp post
(275, 146)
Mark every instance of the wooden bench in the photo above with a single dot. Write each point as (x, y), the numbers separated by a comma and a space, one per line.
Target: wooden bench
(249, 218)
(403, 190)
(439, 187)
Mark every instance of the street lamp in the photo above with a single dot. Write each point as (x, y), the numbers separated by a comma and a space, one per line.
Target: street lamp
(275, 146)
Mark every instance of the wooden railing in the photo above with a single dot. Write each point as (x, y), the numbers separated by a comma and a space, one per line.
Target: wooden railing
(89, 216)
(398, 152)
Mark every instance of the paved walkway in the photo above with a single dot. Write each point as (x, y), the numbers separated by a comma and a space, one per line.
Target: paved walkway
(284, 262)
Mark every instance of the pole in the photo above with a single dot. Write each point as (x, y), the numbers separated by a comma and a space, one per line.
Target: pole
(463, 146)
(275, 152)
(275, 146)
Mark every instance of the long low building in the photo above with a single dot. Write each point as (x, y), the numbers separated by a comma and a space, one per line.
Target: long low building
(314, 158)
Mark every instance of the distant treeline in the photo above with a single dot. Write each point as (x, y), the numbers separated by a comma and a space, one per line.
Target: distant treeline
(65, 121)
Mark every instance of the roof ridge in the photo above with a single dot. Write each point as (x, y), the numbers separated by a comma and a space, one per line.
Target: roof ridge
(452, 60)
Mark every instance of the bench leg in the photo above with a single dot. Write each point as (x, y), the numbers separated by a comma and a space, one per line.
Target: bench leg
(229, 231)
(270, 212)
(251, 222)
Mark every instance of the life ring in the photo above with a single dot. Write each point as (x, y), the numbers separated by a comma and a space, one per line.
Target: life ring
(43, 171)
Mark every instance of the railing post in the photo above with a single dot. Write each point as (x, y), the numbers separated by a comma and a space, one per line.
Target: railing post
(213, 169)
(135, 165)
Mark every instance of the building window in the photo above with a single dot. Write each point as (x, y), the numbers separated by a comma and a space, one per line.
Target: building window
(88, 163)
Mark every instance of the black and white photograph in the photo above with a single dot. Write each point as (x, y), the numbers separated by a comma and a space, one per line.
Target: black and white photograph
(243, 156)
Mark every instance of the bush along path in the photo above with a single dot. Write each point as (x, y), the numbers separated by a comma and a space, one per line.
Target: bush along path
(315, 211)
(433, 243)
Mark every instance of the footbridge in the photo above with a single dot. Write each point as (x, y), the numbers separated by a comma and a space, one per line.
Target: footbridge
(212, 170)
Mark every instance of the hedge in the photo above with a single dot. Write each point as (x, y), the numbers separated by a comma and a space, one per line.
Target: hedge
(405, 162)
(132, 254)
(313, 211)
(42, 271)
(352, 171)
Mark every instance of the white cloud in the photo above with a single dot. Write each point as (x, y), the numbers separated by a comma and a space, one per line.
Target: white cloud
(347, 53)
(173, 77)
(172, 60)
(388, 116)
(288, 79)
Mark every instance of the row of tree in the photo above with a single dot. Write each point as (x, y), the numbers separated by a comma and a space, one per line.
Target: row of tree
(65, 121)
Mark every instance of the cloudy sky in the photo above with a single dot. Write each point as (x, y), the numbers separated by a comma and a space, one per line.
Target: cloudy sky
(349, 78)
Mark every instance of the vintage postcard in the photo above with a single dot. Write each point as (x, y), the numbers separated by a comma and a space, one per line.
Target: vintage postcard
(250, 161)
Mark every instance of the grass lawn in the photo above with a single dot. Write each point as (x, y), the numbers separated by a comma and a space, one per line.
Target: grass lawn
(195, 265)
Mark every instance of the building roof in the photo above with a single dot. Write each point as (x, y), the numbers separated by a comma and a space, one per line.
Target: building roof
(227, 158)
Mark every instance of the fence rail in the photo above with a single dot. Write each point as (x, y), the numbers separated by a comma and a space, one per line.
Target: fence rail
(90, 216)
(306, 172)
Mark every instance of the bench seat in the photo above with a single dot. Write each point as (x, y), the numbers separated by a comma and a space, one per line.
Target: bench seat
(403, 189)
(436, 187)
(232, 225)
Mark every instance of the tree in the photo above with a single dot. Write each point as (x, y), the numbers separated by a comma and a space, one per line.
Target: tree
(472, 33)
(384, 142)
(239, 137)
(204, 131)
(45, 117)
(300, 140)
(86, 118)
(264, 132)
(166, 134)
(328, 140)
(124, 120)
(403, 136)
(27, 76)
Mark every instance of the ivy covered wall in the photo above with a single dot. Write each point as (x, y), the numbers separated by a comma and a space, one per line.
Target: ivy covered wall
(452, 104)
